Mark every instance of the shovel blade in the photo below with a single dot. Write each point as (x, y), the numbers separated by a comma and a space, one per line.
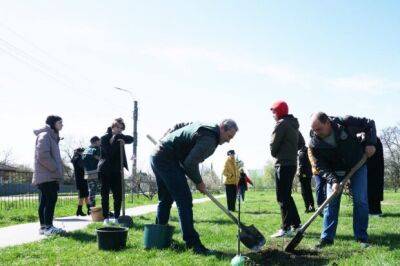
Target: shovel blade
(251, 237)
(125, 221)
(294, 242)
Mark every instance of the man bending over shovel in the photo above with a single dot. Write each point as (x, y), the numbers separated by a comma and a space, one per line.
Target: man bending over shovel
(335, 148)
(178, 155)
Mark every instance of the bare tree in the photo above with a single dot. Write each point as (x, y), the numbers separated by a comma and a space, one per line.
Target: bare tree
(390, 138)
(210, 178)
(69, 144)
(6, 157)
(145, 185)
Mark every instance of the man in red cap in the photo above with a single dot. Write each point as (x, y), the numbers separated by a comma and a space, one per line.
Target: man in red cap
(284, 149)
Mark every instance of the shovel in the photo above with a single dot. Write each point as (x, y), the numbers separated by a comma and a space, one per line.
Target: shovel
(124, 220)
(300, 234)
(249, 235)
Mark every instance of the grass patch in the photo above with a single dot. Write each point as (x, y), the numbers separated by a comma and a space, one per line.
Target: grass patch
(218, 233)
(13, 213)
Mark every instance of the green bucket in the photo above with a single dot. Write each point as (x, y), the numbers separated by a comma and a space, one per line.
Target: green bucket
(157, 236)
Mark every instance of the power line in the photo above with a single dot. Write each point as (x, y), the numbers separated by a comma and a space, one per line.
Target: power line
(16, 54)
(33, 62)
(26, 40)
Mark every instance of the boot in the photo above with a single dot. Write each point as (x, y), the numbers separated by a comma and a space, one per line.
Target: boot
(199, 249)
(79, 211)
(88, 209)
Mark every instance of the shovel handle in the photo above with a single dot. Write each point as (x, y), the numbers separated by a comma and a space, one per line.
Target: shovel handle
(121, 154)
(334, 195)
(151, 139)
(222, 207)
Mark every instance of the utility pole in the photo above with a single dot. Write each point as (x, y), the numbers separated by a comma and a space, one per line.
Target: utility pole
(135, 142)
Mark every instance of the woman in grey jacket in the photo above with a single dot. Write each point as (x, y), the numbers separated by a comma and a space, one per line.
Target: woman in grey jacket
(48, 172)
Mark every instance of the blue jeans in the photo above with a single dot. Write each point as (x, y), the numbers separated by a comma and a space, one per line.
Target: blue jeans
(320, 189)
(360, 209)
(172, 186)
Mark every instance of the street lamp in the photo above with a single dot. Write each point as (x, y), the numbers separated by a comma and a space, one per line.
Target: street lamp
(134, 154)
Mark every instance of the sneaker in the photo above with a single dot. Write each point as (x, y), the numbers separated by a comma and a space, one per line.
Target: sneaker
(282, 233)
(323, 243)
(378, 215)
(200, 249)
(41, 230)
(364, 244)
(53, 231)
(296, 229)
(110, 221)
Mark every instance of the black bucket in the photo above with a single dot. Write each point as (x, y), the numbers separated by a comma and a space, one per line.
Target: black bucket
(112, 238)
(157, 236)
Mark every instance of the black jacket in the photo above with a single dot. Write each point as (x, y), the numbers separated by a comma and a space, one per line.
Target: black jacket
(349, 149)
(304, 162)
(110, 153)
(376, 171)
(79, 172)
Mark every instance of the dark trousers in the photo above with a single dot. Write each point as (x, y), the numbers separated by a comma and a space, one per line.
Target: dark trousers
(93, 188)
(48, 198)
(284, 176)
(242, 192)
(306, 191)
(231, 191)
(111, 181)
(172, 186)
(320, 189)
(374, 205)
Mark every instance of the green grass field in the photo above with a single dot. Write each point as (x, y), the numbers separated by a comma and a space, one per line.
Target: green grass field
(17, 213)
(218, 233)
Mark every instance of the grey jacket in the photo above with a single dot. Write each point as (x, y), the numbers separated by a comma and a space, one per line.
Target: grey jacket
(48, 163)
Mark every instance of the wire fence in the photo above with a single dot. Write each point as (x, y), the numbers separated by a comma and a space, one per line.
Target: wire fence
(25, 195)
(18, 192)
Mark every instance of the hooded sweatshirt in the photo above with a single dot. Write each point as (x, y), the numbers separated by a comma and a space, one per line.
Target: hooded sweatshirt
(284, 141)
(48, 163)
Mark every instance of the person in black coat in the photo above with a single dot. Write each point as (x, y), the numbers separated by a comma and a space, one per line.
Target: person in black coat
(305, 175)
(376, 172)
(81, 183)
(110, 166)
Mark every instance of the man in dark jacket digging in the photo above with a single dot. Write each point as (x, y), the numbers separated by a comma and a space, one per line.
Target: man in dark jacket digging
(178, 155)
(284, 143)
(110, 166)
(336, 149)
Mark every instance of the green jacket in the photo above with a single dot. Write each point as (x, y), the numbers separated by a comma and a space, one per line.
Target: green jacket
(190, 145)
(284, 141)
